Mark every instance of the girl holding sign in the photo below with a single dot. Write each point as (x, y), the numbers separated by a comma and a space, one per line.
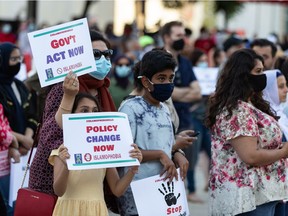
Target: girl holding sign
(81, 192)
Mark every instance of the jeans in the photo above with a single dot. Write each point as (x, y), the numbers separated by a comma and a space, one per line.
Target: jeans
(267, 209)
(4, 189)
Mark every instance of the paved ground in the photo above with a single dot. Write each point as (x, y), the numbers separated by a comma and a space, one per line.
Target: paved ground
(196, 209)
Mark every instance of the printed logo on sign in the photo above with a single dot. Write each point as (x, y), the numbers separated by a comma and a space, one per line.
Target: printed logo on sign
(87, 157)
(78, 158)
(171, 199)
(49, 73)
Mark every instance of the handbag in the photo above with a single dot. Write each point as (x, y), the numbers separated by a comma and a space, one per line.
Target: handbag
(30, 202)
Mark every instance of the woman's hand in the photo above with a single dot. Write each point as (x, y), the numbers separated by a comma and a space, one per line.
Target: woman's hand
(63, 154)
(71, 84)
(135, 153)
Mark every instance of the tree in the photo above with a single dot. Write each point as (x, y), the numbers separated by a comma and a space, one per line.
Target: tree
(230, 9)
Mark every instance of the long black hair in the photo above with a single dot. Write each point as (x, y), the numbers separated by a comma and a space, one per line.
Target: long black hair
(233, 85)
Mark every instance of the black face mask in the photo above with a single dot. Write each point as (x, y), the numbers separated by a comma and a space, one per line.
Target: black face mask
(178, 44)
(14, 69)
(257, 82)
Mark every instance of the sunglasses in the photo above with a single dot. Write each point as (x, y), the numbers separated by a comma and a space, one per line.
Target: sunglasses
(123, 65)
(107, 53)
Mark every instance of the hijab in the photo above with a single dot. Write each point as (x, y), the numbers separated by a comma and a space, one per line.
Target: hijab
(6, 80)
(270, 94)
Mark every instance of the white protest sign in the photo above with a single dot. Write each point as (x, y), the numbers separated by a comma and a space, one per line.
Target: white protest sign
(60, 49)
(207, 78)
(98, 140)
(160, 197)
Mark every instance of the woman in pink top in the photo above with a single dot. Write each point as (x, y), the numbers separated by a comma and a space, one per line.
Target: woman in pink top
(8, 149)
(248, 170)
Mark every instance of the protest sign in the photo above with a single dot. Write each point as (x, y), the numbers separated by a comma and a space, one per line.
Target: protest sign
(207, 78)
(59, 49)
(98, 140)
(160, 197)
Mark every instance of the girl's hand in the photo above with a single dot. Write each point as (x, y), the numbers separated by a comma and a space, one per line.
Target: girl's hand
(63, 154)
(135, 153)
(71, 84)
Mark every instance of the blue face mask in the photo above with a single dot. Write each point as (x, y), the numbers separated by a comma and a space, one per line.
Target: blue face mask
(202, 64)
(103, 67)
(162, 92)
(122, 71)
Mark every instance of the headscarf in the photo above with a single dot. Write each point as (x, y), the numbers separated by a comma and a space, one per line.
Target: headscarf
(88, 82)
(6, 80)
(270, 94)
(6, 50)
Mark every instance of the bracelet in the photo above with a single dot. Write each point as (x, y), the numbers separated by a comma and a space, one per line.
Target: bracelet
(65, 109)
(178, 150)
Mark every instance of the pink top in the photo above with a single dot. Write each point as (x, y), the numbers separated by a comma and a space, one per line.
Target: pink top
(236, 187)
(5, 140)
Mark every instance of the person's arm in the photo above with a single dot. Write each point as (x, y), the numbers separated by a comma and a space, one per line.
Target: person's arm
(187, 94)
(184, 139)
(71, 88)
(181, 162)
(26, 140)
(246, 148)
(61, 171)
(119, 185)
(168, 165)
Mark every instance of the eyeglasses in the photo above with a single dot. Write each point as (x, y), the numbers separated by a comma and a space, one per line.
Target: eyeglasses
(16, 58)
(120, 65)
(107, 53)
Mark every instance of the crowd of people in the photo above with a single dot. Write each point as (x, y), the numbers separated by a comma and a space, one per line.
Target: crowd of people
(240, 130)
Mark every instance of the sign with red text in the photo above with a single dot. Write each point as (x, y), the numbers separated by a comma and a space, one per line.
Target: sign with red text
(98, 140)
(168, 198)
(60, 49)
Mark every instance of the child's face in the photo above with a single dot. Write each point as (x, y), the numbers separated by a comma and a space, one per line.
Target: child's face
(166, 76)
(86, 105)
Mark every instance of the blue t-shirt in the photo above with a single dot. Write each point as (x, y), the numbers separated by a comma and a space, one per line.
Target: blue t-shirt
(151, 130)
(184, 75)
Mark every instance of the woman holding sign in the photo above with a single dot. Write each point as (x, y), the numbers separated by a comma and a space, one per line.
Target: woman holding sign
(51, 135)
(81, 192)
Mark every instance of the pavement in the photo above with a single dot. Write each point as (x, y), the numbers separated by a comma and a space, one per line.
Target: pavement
(195, 209)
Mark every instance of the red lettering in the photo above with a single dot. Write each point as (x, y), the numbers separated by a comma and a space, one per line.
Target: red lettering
(174, 210)
(88, 129)
(62, 41)
(104, 148)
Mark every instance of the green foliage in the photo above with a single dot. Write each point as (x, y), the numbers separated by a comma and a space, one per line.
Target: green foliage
(176, 4)
(230, 8)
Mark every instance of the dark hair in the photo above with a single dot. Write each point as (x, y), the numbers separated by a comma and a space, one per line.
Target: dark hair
(281, 63)
(156, 60)
(98, 36)
(136, 73)
(263, 43)
(81, 96)
(195, 55)
(233, 85)
(216, 55)
(166, 29)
